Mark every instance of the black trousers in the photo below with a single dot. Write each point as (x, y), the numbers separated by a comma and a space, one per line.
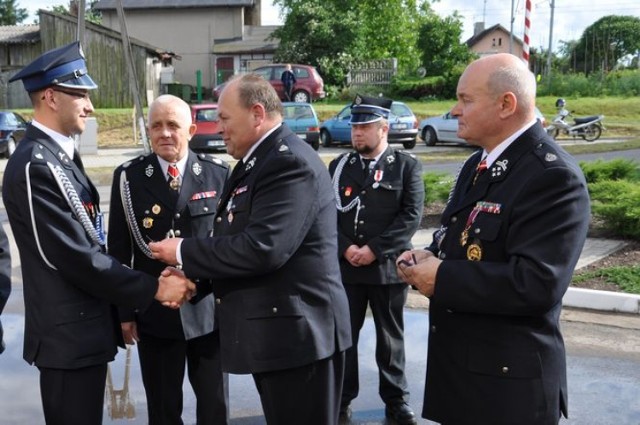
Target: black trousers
(387, 304)
(73, 396)
(162, 362)
(308, 395)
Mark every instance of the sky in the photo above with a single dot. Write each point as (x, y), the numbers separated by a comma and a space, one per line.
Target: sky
(571, 17)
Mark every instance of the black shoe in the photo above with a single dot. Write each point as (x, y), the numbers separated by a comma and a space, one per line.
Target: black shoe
(401, 413)
(345, 414)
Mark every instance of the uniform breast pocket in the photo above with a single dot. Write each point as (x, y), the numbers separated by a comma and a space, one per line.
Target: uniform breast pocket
(202, 207)
(486, 227)
(388, 193)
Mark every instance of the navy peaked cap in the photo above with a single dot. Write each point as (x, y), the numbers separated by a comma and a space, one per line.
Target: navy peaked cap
(63, 66)
(366, 109)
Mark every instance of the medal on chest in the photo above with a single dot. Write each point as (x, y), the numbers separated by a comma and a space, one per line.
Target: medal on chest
(377, 177)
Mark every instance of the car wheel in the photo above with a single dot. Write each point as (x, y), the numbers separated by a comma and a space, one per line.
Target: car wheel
(429, 136)
(301, 96)
(410, 144)
(11, 147)
(326, 138)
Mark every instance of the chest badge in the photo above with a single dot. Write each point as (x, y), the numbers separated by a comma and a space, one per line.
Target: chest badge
(156, 209)
(149, 170)
(147, 222)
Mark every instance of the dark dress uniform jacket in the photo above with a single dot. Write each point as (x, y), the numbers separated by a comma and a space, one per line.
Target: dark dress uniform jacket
(273, 259)
(496, 355)
(156, 211)
(389, 215)
(69, 282)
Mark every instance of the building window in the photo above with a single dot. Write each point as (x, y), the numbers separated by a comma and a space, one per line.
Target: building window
(500, 42)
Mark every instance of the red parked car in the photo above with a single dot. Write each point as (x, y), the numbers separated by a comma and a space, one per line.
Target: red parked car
(206, 137)
(308, 87)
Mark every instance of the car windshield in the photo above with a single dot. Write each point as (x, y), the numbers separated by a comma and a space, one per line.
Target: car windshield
(207, 115)
(400, 110)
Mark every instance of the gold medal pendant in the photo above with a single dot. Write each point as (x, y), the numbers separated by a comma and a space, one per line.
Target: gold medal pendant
(174, 184)
(474, 252)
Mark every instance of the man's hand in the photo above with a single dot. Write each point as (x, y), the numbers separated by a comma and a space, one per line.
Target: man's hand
(174, 288)
(422, 275)
(414, 256)
(359, 256)
(130, 332)
(165, 250)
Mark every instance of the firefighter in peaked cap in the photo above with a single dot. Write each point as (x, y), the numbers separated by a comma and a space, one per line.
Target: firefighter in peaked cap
(379, 196)
(70, 284)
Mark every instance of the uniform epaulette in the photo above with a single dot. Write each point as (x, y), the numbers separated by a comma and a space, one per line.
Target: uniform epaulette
(37, 153)
(282, 147)
(548, 155)
(135, 161)
(213, 159)
(407, 153)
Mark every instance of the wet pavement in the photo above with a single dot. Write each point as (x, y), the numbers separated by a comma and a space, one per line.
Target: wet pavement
(603, 367)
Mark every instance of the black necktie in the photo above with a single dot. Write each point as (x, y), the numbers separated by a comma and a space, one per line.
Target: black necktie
(367, 167)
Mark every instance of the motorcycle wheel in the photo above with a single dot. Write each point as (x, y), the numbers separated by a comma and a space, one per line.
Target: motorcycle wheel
(553, 132)
(592, 133)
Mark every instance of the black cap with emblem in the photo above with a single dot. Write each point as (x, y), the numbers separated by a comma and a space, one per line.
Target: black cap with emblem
(64, 66)
(366, 109)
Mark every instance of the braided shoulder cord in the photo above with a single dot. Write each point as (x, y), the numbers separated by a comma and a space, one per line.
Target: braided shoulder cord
(336, 190)
(127, 204)
(70, 194)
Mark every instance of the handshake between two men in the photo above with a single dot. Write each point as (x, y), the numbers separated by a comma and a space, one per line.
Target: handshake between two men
(174, 288)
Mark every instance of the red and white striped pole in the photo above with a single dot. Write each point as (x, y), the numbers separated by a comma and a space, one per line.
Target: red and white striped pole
(527, 25)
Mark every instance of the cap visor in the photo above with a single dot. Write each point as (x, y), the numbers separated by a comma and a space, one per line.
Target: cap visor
(364, 118)
(84, 82)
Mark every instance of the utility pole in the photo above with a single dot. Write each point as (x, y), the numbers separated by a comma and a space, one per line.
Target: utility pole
(133, 78)
(80, 32)
(511, 30)
(549, 53)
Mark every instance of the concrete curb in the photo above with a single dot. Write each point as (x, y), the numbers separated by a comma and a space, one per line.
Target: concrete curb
(590, 299)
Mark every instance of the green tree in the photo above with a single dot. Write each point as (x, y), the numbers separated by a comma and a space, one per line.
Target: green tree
(605, 43)
(89, 15)
(439, 42)
(332, 34)
(11, 14)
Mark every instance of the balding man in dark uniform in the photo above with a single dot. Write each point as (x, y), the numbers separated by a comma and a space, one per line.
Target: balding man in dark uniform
(380, 197)
(70, 284)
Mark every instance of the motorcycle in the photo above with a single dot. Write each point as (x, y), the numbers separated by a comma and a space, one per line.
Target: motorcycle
(588, 128)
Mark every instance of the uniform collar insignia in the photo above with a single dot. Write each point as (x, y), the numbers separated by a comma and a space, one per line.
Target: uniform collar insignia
(149, 170)
(63, 157)
(352, 160)
(196, 168)
(283, 148)
(550, 157)
(499, 167)
(390, 159)
(250, 164)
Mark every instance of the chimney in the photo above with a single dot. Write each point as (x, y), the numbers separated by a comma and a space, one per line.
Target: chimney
(478, 27)
(73, 7)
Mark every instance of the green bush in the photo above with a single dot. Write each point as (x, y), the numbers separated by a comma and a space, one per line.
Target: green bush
(617, 169)
(624, 277)
(617, 202)
(419, 88)
(436, 187)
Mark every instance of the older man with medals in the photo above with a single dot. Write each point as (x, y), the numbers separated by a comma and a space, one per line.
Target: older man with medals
(71, 330)
(379, 196)
(171, 193)
(497, 270)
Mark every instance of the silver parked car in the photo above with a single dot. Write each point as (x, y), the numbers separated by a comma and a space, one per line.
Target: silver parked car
(444, 128)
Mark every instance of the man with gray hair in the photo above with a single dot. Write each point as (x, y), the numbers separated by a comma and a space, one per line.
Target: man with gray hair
(511, 235)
